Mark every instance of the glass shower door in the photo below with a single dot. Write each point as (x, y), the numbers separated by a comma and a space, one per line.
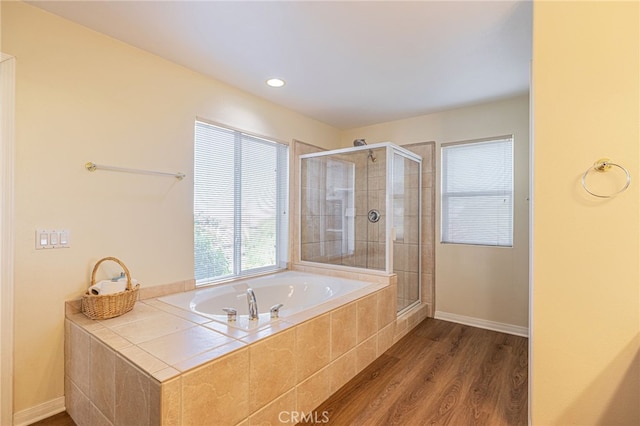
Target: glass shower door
(405, 199)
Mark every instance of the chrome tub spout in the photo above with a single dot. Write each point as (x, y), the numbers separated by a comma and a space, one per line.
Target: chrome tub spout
(253, 304)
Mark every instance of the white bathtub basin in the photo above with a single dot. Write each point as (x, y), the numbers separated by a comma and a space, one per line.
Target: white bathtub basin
(296, 291)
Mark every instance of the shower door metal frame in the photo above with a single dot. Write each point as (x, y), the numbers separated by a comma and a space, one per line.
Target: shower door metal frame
(389, 230)
(394, 149)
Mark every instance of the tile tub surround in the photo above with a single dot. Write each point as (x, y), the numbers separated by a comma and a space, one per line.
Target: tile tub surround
(162, 365)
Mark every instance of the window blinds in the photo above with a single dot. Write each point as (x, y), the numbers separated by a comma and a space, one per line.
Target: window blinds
(240, 203)
(477, 193)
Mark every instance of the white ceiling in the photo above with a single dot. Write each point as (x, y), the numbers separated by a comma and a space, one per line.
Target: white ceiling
(346, 63)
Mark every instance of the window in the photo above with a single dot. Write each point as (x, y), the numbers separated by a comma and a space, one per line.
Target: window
(477, 192)
(240, 204)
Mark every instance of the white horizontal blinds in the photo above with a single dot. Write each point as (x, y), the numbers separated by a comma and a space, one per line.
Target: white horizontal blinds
(214, 181)
(258, 203)
(477, 193)
(239, 203)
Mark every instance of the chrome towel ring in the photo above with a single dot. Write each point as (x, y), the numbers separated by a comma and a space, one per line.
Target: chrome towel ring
(604, 165)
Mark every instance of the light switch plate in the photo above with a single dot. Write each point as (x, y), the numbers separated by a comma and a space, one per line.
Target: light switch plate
(52, 238)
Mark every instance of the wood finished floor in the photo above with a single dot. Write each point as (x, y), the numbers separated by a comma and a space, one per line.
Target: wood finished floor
(441, 373)
(61, 419)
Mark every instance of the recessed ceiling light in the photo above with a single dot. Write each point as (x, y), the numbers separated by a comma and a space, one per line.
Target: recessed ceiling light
(275, 82)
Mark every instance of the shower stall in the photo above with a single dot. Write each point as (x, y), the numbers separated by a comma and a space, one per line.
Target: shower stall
(360, 207)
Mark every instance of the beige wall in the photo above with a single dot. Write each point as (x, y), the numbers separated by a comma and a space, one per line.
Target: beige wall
(586, 282)
(80, 97)
(484, 284)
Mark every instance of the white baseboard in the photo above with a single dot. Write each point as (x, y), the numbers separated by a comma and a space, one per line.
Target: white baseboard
(39, 412)
(482, 323)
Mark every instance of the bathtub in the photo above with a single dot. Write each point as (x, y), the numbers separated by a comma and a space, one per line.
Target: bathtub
(296, 291)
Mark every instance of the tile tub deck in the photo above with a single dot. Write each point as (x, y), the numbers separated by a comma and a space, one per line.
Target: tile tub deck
(159, 364)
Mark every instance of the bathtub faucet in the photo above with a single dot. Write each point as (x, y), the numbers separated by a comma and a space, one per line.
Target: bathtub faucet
(253, 304)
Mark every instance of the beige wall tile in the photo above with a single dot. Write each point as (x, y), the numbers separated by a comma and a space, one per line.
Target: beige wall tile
(412, 320)
(343, 330)
(400, 257)
(155, 403)
(428, 258)
(367, 320)
(102, 372)
(387, 305)
(217, 393)
(272, 368)
(132, 394)
(413, 286)
(392, 279)
(139, 311)
(427, 288)
(161, 290)
(313, 344)
(413, 259)
(96, 418)
(111, 339)
(83, 321)
(79, 356)
(277, 412)
(77, 403)
(313, 391)
(427, 201)
(188, 315)
(145, 361)
(366, 352)
(342, 370)
(171, 402)
(411, 227)
(428, 229)
(411, 180)
(205, 357)
(165, 374)
(401, 328)
(385, 338)
(428, 179)
(176, 347)
(73, 306)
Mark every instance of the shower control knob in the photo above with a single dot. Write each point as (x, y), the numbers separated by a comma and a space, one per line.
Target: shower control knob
(374, 215)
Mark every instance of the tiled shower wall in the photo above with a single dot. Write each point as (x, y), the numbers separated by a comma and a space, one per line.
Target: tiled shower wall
(323, 206)
(370, 237)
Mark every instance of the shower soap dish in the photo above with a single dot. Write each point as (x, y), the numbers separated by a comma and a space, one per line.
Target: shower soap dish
(109, 305)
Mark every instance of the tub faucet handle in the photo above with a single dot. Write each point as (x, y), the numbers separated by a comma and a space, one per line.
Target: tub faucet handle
(231, 314)
(275, 310)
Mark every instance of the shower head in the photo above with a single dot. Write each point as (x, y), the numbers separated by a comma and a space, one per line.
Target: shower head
(361, 142)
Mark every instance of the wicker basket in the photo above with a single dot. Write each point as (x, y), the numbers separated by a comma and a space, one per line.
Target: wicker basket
(109, 305)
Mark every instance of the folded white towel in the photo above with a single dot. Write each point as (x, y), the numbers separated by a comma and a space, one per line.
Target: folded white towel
(133, 281)
(108, 287)
(111, 287)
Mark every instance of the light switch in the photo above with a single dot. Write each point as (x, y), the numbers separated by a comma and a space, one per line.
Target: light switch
(52, 238)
